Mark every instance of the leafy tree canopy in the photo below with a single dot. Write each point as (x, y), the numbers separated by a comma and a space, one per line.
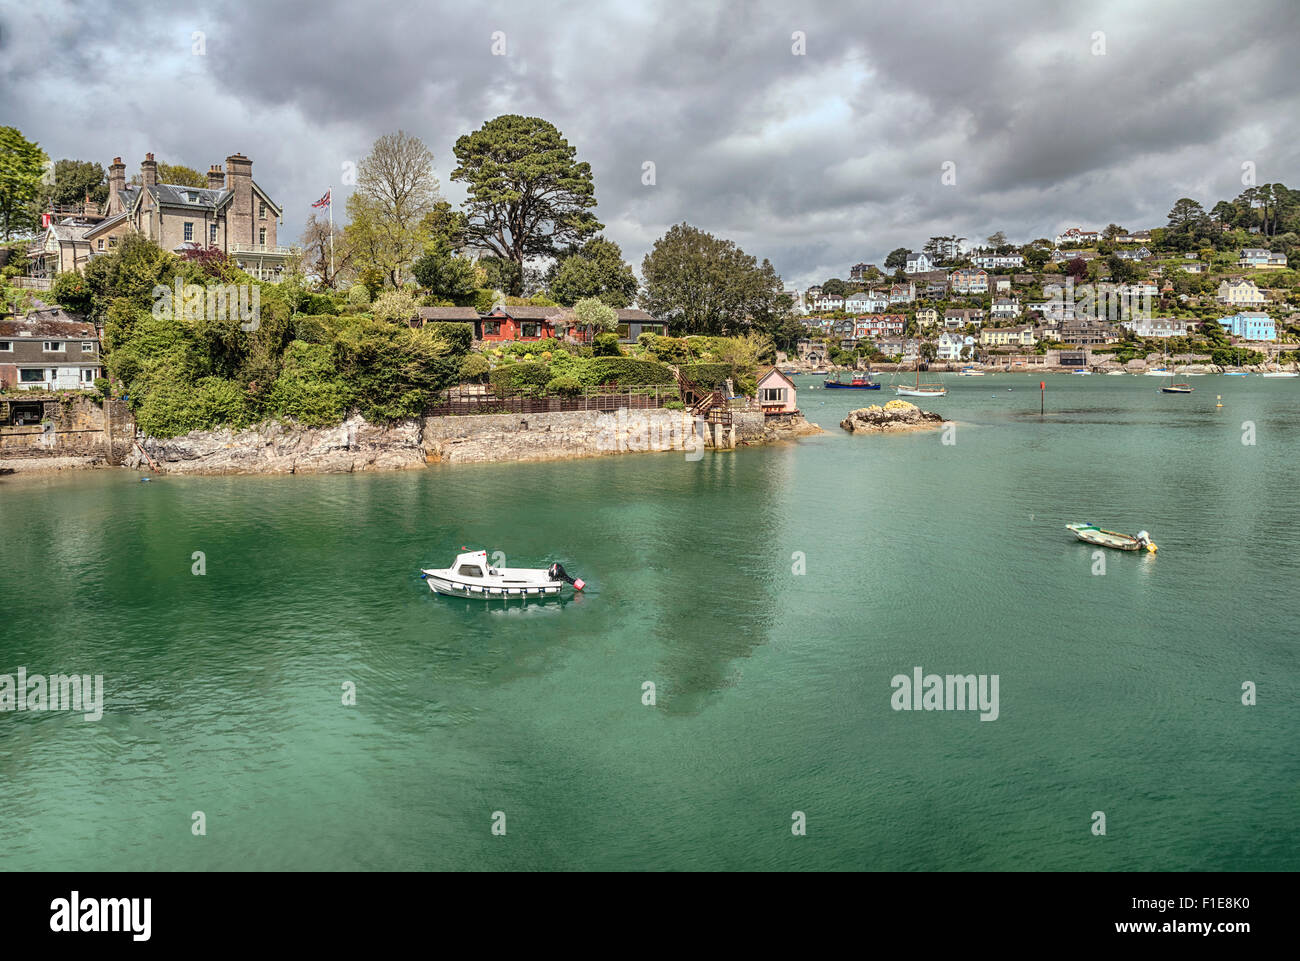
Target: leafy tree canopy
(528, 195)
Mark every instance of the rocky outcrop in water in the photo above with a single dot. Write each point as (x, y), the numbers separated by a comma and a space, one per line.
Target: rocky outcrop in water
(895, 416)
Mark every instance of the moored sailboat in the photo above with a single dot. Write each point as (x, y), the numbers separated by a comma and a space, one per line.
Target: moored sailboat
(919, 389)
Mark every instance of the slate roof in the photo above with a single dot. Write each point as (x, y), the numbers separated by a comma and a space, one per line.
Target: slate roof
(50, 322)
(448, 313)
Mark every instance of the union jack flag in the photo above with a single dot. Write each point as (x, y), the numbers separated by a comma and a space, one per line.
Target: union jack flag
(324, 201)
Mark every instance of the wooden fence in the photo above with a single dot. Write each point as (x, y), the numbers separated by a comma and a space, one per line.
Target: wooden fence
(458, 403)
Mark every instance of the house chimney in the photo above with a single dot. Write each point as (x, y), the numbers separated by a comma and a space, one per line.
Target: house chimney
(216, 178)
(116, 183)
(149, 171)
(239, 181)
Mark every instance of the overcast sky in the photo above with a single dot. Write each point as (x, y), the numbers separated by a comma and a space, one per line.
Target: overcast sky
(815, 161)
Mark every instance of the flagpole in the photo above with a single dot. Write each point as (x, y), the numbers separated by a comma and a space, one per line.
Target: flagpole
(331, 196)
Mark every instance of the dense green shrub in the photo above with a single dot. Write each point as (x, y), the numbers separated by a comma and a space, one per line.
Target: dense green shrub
(318, 304)
(627, 372)
(70, 290)
(526, 377)
(395, 307)
(359, 297)
(455, 336)
(674, 405)
(606, 345)
(670, 350)
(565, 386)
(474, 368)
(712, 376)
(309, 389)
(393, 372)
(173, 407)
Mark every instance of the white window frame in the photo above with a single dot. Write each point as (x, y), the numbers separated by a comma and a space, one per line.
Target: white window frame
(60, 347)
(189, 231)
(44, 372)
(88, 375)
(6, 346)
(87, 346)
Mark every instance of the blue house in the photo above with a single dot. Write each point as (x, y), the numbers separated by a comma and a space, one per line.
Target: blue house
(1250, 325)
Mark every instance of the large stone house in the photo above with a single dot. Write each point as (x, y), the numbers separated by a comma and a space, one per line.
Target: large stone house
(1240, 293)
(48, 350)
(232, 213)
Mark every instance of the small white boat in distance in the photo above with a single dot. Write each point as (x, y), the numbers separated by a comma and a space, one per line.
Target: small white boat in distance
(1279, 373)
(472, 576)
(1158, 372)
(1092, 534)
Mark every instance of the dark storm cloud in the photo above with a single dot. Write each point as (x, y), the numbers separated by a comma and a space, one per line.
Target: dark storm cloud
(813, 161)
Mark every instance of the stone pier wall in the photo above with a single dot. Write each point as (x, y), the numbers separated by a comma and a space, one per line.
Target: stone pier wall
(67, 432)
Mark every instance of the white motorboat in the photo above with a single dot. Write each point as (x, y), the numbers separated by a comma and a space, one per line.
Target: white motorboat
(970, 372)
(472, 576)
(1279, 373)
(1158, 372)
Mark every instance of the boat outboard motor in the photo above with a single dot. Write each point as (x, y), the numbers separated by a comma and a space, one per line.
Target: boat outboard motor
(556, 572)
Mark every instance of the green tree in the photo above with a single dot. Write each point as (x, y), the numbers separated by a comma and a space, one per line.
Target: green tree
(596, 270)
(1186, 215)
(835, 287)
(501, 274)
(22, 167)
(446, 222)
(528, 195)
(71, 290)
(1121, 271)
(706, 285)
(74, 181)
(180, 175)
(396, 191)
(1035, 256)
(897, 258)
(594, 314)
(446, 276)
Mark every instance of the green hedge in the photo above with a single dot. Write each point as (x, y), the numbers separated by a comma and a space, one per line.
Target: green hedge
(526, 377)
(626, 372)
(454, 336)
(708, 375)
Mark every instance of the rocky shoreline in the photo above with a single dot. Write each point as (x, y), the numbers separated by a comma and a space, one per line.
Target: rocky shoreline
(897, 416)
(357, 445)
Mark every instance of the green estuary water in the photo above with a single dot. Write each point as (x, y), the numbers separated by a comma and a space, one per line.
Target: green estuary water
(1119, 692)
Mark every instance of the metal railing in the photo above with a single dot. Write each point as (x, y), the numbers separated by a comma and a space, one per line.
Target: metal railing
(258, 249)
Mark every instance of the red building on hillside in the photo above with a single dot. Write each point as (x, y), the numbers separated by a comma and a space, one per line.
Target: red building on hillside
(520, 323)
